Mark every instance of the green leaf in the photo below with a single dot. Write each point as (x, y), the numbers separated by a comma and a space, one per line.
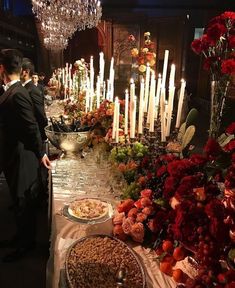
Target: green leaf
(181, 132)
(188, 136)
(191, 118)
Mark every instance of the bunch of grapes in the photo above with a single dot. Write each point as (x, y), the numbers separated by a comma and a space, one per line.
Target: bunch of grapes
(139, 150)
(132, 191)
(119, 154)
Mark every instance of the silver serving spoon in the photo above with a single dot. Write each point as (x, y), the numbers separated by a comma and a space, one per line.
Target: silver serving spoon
(121, 277)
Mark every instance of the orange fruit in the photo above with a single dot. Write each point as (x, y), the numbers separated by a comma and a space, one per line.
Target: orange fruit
(178, 275)
(167, 246)
(179, 253)
(166, 268)
(169, 259)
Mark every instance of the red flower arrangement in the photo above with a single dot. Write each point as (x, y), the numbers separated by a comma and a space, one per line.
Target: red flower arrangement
(217, 45)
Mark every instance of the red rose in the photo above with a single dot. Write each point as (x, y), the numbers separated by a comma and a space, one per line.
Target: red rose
(231, 128)
(170, 186)
(196, 46)
(118, 218)
(215, 31)
(228, 15)
(230, 146)
(146, 193)
(125, 206)
(133, 212)
(148, 210)
(141, 217)
(167, 158)
(228, 66)
(119, 233)
(198, 159)
(231, 41)
(127, 224)
(207, 42)
(212, 148)
(161, 171)
(137, 232)
(145, 201)
(179, 168)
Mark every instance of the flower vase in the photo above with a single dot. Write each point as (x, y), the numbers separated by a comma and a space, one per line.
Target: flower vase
(218, 95)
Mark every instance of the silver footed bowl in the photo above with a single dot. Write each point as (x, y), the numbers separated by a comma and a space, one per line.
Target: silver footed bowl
(68, 142)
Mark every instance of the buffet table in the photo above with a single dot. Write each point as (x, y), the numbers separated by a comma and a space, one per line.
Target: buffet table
(90, 176)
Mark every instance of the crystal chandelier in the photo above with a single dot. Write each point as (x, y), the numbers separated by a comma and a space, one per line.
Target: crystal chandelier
(61, 18)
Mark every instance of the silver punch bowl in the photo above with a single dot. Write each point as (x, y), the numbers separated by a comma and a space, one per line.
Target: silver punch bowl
(68, 142)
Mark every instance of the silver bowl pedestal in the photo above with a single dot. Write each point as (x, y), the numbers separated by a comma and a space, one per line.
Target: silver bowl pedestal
(68, 142)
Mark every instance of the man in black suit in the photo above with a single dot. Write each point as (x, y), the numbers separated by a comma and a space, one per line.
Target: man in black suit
(35, 82)
(23, 153)
(35, 94)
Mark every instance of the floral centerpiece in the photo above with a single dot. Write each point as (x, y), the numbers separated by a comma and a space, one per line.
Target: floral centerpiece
(145, 55)
(189, 204)
(217, 45)
(80, 72)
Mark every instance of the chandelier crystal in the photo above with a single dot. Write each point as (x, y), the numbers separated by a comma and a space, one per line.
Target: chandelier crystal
(62, 18)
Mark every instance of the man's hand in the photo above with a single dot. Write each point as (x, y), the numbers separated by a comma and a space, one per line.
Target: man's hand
(46, 162)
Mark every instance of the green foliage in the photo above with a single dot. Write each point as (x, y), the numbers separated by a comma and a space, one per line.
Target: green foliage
(188, 136)
(125, 153)
(132, 191)
(191, 118)
(129, 175)
(181, 132)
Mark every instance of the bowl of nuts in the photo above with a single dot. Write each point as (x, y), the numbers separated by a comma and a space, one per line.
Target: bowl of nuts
(105, 262)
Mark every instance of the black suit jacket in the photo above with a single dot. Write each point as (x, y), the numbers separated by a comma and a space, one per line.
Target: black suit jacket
(39, 109)
(22, 145)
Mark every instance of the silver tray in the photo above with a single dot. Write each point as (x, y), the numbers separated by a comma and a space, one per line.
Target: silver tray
(66, 214)
(136, 257)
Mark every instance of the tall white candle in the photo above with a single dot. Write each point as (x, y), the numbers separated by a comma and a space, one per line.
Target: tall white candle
(132, 95)
(151, 95)
(126, 112)
(111, 85)
(146, 94)
(172, 76)
(162, 114)
(132, 128)
(104, 90)
(115, 118)
(111, 68)
(170, 99)
(101, 72)
(169, 110)
(98, 92)
(159, 83)
(87, 95)
(165, 64)
(92, 75)
(180, 103)
(108, 90)
(141, 108)
(152, 110)
(117, 123)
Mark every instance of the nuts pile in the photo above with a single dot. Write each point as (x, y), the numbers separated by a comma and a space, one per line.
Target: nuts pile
(96, 261)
